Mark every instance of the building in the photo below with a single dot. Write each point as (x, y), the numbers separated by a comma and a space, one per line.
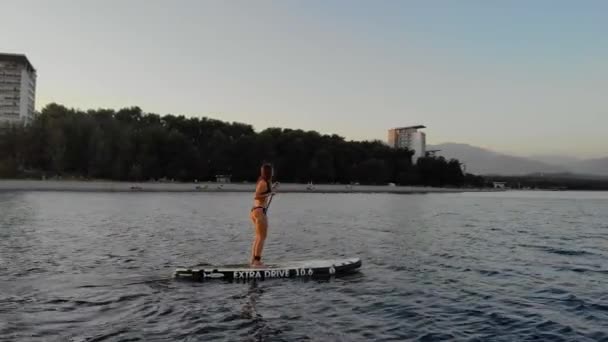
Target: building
(223, 178)
(500, 185)
(17, 88)
(410, 138)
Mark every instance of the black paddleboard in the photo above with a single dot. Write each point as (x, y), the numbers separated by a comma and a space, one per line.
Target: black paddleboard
(294, 269)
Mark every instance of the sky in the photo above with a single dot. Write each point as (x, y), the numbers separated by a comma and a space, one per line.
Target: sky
(521, 77)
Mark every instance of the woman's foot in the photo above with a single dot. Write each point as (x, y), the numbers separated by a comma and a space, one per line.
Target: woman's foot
(257, 263)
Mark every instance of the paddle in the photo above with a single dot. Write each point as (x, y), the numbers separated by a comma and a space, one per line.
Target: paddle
(271, 195)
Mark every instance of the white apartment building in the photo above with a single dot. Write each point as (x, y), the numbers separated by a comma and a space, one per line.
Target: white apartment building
(409, 137)
(17, 89)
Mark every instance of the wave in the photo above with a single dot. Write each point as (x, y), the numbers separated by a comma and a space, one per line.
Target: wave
(559, 251)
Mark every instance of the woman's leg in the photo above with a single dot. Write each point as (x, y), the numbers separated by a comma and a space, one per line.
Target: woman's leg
(252, 243)
(260, 239)
(261, 228)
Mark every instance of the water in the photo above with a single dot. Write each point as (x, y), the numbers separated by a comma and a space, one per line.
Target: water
(470, 267)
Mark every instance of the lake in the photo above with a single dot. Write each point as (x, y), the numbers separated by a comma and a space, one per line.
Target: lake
(511, 266)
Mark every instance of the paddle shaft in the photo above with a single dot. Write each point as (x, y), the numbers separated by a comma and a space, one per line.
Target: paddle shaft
(271, 196)
(269, 201)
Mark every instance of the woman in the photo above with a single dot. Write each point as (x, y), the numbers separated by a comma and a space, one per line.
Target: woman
(263, 191)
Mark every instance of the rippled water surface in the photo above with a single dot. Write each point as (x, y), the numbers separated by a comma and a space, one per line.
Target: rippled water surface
(472, 267)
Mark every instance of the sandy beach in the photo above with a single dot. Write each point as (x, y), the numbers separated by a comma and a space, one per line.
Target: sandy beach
(108, 186)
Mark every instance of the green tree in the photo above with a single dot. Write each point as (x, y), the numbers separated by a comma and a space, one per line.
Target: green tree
(129, 144)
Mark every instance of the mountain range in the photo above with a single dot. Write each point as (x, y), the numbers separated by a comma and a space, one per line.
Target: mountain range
(482, 161)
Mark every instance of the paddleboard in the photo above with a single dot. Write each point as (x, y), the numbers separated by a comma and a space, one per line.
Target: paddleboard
(295, 269)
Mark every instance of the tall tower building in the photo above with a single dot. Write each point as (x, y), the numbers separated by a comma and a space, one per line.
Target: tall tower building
(410, 138)
(17, 88)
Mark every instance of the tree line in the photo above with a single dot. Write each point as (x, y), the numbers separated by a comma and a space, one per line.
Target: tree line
(130, 145)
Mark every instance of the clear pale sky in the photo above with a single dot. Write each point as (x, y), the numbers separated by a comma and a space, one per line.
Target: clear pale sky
(523, 77)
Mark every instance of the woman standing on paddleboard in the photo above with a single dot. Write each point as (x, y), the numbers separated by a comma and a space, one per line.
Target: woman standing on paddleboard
(263, 194)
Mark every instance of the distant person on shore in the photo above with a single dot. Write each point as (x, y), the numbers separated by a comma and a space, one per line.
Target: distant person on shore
(263, 192)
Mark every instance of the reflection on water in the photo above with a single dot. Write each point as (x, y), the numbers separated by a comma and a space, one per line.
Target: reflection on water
(259, 330)
(249, 309)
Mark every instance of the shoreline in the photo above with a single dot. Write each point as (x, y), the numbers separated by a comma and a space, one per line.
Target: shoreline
(210, 187)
